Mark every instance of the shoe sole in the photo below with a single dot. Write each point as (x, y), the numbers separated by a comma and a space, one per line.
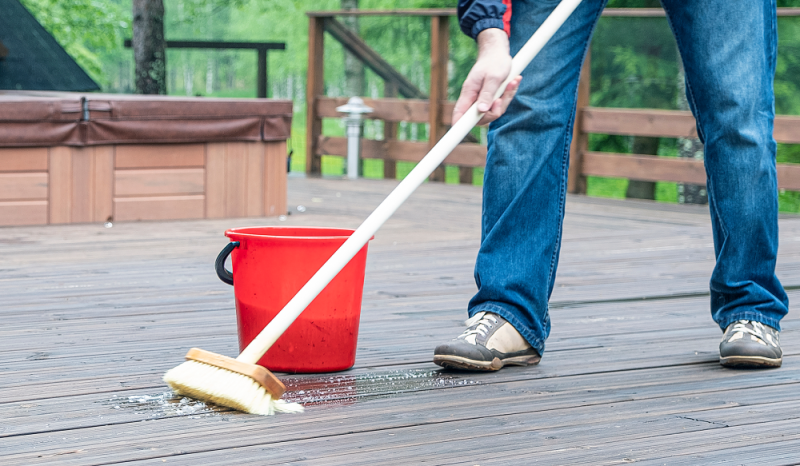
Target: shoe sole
(750, 361)
(466, 364)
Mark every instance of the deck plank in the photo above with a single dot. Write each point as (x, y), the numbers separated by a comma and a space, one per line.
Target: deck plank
(94, 316)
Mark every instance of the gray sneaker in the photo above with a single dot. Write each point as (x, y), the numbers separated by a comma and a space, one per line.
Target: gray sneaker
(747, 343)
(488, 344)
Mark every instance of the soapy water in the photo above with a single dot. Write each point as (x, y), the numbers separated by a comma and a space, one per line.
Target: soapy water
(308, 390)
(163, 404)
(347, 389)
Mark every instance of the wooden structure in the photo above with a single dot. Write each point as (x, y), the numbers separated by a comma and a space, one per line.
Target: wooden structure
(640, 122)
(415, 108)
(262, 48)
(93, 317)
(67, 158)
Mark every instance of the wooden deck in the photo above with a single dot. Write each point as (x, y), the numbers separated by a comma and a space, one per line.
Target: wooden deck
(92, 317)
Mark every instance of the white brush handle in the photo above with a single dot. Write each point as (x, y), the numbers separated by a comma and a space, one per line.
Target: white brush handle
(256, 349)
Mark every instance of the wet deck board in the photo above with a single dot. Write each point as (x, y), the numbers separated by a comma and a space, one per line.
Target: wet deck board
(92, 317)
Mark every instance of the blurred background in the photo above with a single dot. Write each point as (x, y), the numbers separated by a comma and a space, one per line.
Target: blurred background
(634, 65)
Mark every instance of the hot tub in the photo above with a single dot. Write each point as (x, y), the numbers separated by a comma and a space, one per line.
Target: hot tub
(73, 158)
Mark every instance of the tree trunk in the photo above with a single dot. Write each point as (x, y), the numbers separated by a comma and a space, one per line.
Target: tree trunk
(149, 47)
(353, 68)
(643, 189)
(690, 148)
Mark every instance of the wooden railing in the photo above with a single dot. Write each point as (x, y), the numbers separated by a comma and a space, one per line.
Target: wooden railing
(656, 123)
(418, 108)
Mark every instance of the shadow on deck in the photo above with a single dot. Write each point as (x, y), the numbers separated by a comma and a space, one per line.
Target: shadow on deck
(92, 317)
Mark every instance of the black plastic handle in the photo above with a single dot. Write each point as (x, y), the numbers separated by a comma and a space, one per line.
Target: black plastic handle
(219, 265)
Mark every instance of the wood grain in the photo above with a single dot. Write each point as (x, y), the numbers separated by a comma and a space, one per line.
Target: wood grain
(388, 109)
(60, 185)
(638, 122)
(160, 156)
(789, 176)
(215, 180)
(103, 196)
(82, 195)
(246, 179)
(235, 179)
(315, 86)
(256, 177)
(23, 212)
(466, 154)
(666, 123)
(440, 37)
(159, 207)
(159, 182)
(389, 132)
(19, 186)
(644, 168)
(576, 182)
(275, 184)
(94, 316)
(23, 159)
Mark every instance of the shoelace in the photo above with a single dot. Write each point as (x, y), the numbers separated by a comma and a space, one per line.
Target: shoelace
(482, 323)
(757, 330)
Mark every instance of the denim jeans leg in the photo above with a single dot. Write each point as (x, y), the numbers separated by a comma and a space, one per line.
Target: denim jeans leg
(729, 51)
(526, 174)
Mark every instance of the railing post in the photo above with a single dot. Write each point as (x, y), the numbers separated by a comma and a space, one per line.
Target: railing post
(465, 175)
(580, 140)
(440, 36)
(262, 73)
(314, 88)
(389, 133)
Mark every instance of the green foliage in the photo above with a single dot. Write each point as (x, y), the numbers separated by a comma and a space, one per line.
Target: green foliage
(87, 29)
(637, 69)
(787, 86)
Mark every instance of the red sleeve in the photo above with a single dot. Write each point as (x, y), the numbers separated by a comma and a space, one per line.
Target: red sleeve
(507, 17)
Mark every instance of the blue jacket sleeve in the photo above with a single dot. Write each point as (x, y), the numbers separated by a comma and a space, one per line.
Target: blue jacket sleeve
(476, 15)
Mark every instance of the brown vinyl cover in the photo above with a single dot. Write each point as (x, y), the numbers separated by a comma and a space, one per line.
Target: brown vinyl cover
(56, 118)
(42, 121)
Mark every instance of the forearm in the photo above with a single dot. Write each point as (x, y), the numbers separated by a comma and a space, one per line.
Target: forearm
(492, 42)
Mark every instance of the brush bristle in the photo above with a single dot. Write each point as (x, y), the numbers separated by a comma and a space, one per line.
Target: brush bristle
(225, 388)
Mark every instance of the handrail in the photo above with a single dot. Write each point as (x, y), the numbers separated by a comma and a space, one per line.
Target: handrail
(429, 12)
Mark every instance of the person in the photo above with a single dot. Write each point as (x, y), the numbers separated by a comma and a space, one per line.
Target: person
(728, 48)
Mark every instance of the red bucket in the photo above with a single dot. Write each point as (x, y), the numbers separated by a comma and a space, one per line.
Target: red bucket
(270, 265)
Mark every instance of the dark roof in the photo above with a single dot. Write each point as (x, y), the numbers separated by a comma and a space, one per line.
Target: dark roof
(35, 61)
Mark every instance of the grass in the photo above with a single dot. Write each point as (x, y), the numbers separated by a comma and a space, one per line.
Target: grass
(615, 188)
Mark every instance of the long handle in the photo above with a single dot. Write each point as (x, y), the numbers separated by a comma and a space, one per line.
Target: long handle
(256, 349)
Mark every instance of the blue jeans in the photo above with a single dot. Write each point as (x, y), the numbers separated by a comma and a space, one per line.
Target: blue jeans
(728, 49)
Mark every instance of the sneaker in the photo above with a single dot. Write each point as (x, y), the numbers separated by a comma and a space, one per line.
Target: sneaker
(747, 343)
(488, 344)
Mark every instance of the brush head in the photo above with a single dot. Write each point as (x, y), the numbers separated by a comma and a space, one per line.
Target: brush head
(223, 387)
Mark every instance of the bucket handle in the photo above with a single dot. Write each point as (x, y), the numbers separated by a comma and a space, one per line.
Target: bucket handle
(219, 265)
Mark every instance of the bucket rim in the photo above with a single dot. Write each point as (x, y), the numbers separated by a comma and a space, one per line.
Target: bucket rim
(238, 231)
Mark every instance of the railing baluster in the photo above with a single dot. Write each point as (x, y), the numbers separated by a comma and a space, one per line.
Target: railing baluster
(580, 140)
(316, 45)
(440, 36)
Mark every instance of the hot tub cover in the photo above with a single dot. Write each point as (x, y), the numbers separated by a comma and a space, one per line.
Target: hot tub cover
(73, 119)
